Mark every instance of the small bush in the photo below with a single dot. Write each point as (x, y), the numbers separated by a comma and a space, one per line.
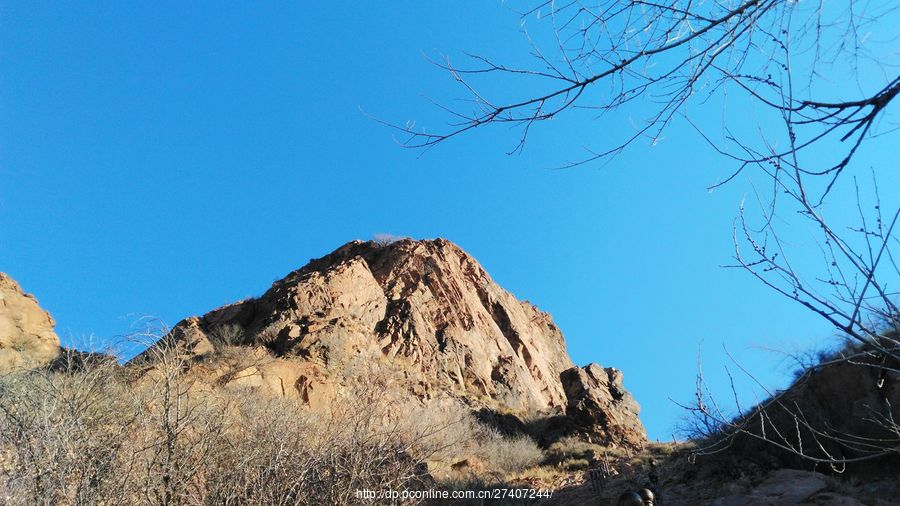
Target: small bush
(225, 335)
(382, 239)
(96, 435)
(64, 434)
(155, 433)
(268, 336)
(509, 454)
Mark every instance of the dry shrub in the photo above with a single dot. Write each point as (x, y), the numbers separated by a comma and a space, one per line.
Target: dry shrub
(64, 434)
(268, 336)
(575, 448)
(462, 437)
(509, 454)
(265, 457)
(225, 335)
(277, 452)
(179, 432)
(384, 239)
(103, 434)
(153, 434)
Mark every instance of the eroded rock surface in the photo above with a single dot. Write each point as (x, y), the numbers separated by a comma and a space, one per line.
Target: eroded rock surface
(26, 331)
(600, 406)
(786, 487)
(426, 310)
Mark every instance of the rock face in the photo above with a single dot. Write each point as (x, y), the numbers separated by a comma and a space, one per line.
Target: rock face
(423, 308)
(787, 487)
(26, 331)
(600, 406)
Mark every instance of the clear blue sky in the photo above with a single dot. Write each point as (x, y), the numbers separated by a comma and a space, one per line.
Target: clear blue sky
(168, 159)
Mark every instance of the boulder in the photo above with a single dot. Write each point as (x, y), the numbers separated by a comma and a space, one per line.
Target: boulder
(602, 408)
(786, 487)
(27, 339)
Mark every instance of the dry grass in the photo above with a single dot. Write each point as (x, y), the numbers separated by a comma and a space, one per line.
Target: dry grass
(156, 435)
(99, 435)
(509, 454)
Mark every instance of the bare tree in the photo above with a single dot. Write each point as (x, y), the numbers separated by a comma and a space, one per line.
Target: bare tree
(181, 423)
(594, 57)
(819, 79)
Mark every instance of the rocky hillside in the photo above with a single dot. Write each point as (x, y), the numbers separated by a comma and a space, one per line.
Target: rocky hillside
(426, 309)
(26, 331)
(848, 406)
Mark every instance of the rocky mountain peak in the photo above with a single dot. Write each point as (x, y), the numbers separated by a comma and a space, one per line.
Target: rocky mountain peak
(425, 307)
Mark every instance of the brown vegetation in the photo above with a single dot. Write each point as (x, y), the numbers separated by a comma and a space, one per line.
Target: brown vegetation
(99, 432)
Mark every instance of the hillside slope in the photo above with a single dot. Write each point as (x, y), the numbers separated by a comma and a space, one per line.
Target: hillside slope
(427, 311)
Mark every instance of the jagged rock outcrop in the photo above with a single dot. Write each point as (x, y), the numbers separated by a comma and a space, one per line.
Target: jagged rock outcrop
(26, 331)
(600, 406)
(424, 309)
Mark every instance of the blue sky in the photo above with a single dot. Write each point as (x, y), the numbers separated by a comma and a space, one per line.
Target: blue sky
(169, 159)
